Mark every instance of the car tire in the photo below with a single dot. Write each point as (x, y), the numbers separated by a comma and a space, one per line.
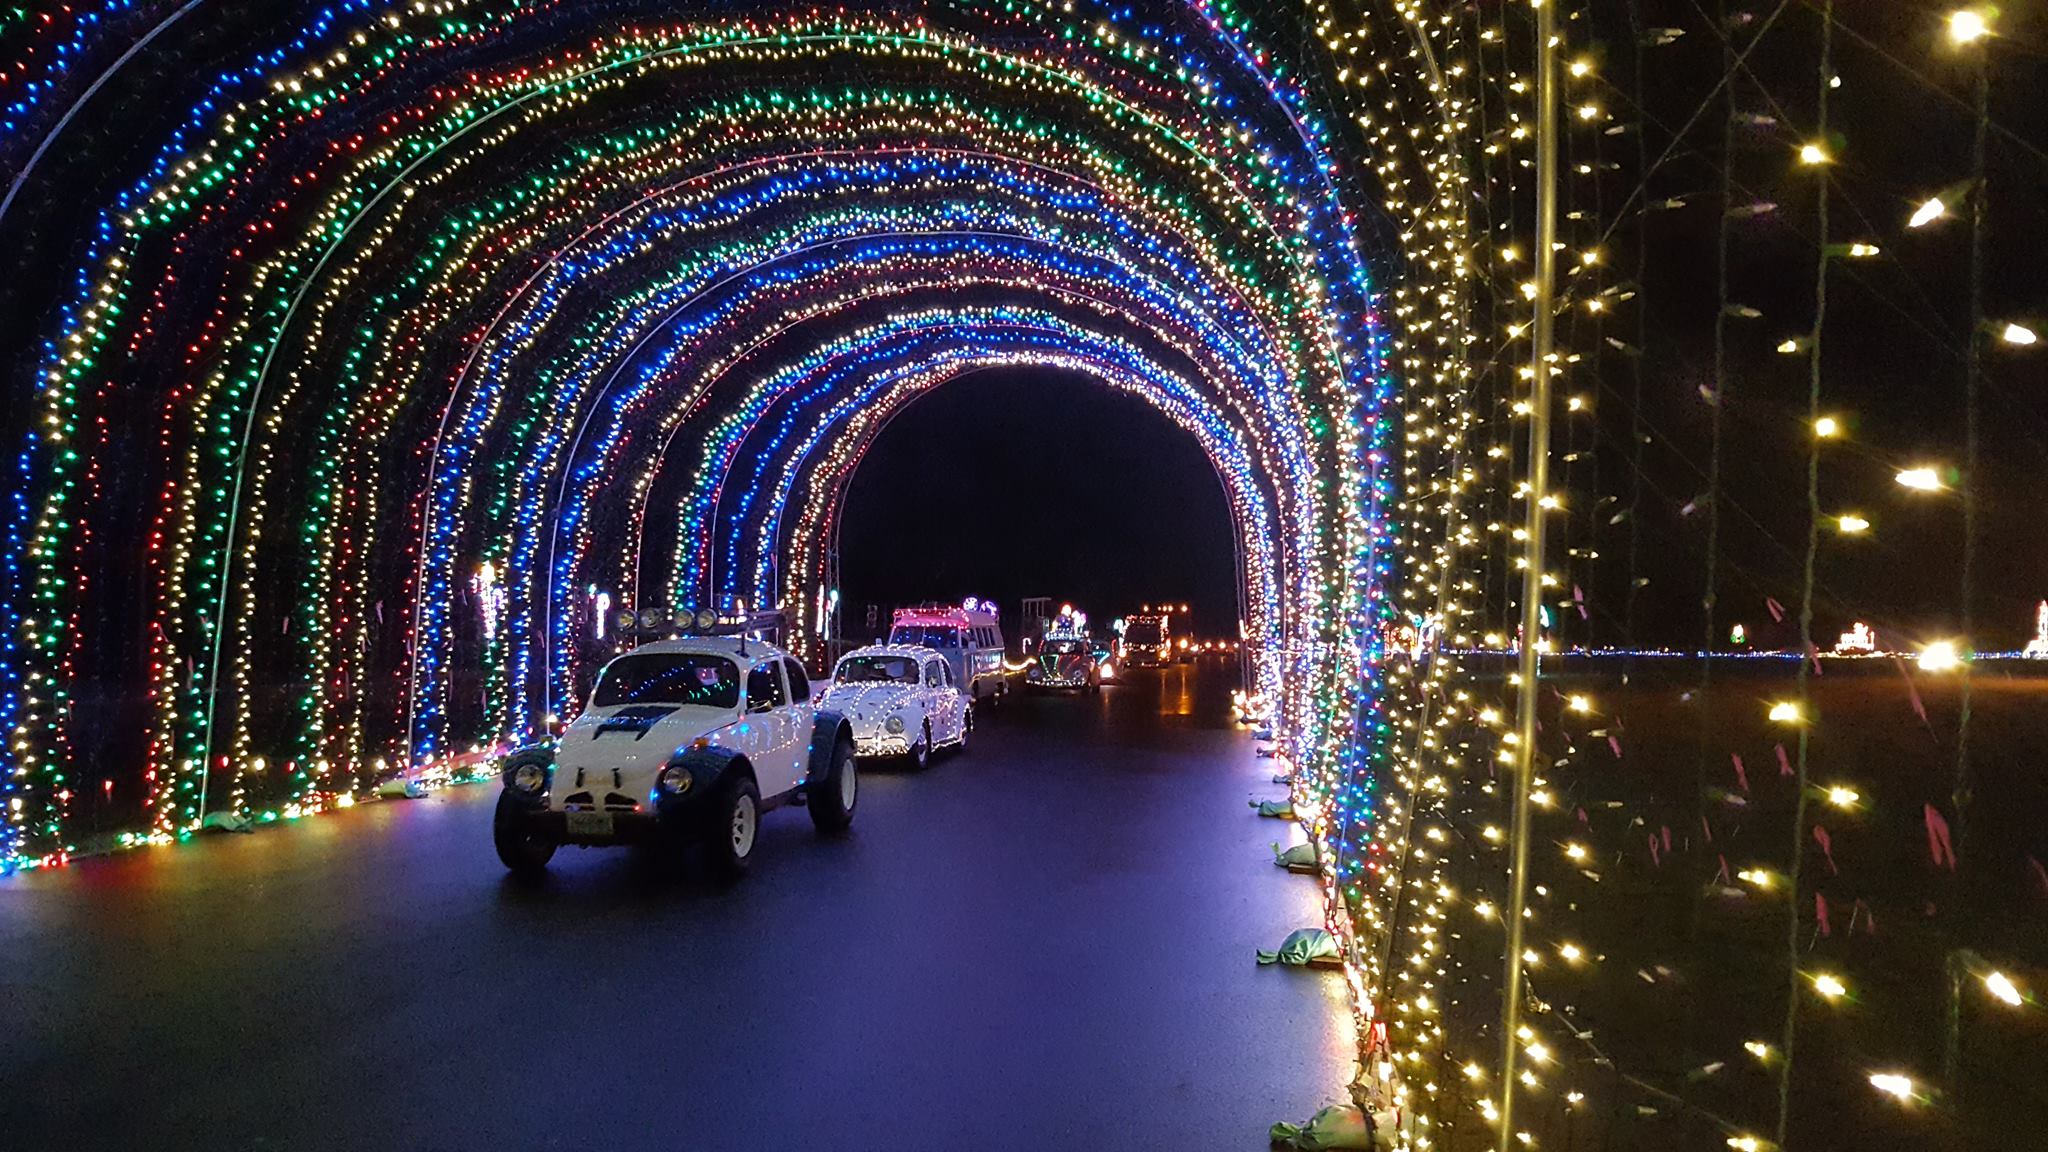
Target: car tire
(734, 826)
(524, 852)
(920, 755)
(832, 799)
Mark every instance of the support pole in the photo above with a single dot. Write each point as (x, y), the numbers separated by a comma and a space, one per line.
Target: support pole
(1526, 699)
(1795, 865)
(1973, 381)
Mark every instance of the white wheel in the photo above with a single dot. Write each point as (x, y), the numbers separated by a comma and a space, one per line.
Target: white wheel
(730, 829)
(849, 784)
(746, 819)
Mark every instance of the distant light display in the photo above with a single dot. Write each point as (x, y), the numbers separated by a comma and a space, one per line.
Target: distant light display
(2037, 648)
(1858, 640)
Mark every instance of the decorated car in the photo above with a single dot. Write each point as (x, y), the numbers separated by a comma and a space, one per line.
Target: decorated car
(1064, 663)
(685, 740)
(1105, 661)
(900, 700)
(968, 635)
(1066, 657)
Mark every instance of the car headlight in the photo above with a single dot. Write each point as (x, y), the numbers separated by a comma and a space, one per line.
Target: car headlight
(895, 725)
(529, 778)
(675, 779)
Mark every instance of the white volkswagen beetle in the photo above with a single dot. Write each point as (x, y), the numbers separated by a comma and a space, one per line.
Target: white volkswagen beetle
(900, 700)
(690, 739)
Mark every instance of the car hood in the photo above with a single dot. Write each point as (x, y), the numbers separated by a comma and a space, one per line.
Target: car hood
(868, 701)
(623, 747)
(1066, 664)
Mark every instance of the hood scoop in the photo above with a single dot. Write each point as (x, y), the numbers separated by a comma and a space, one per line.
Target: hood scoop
(637, 721)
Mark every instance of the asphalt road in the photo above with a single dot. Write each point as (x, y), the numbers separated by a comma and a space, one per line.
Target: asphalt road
(1043, 944)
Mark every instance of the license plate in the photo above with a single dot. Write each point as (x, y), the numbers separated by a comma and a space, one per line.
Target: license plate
(589, 823)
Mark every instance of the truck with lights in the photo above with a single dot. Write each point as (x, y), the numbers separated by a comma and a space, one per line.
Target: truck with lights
(688, 739)
(1148, 640)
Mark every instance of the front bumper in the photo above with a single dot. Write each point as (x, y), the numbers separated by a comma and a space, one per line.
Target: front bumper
(877, 743)
(670, 818)
(1057, 682)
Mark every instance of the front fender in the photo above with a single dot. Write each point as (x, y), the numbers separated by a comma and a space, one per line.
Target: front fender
(828, 728)
(541, 754)
(708, 766)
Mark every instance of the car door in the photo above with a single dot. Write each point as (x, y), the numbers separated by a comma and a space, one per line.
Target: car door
(943, 702)
(930, 701)
(802, 710)
(767, 727)
(954, 703)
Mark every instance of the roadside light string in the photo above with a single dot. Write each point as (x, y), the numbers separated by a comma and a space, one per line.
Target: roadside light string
(1717, 423)
(1637, 363)
(1526, 696)
(1973, 383)
(1788, 1041)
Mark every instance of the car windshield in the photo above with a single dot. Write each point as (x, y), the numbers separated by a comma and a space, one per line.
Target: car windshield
(1141, 632)
(697, 678)
(925, 635)
(876, 670)
(1065, 647)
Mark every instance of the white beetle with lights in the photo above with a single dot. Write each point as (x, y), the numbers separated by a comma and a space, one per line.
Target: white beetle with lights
(900, 700)
(689, 738)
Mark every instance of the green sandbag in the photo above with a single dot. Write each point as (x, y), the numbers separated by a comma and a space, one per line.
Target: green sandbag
(1281, 808)
(1302, 946)
(1336, 1127)
(1302, 855)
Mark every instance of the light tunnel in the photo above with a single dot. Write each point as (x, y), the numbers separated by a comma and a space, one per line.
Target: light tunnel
(430, 325)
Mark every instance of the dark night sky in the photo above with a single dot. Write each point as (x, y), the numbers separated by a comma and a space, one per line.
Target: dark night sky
(1012, 483)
